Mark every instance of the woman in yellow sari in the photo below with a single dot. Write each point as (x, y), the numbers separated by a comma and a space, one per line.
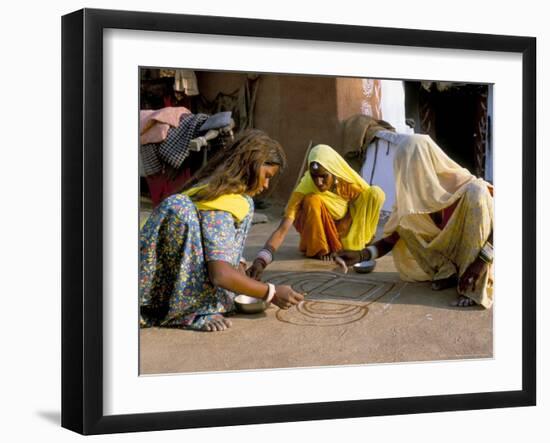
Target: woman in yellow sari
(332, 208)
(440, 229)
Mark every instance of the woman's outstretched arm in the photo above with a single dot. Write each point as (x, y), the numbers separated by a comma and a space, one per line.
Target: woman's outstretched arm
(224, 275)
(383, 246)
(273, 243)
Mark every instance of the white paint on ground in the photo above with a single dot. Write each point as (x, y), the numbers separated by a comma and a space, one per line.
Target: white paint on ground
(394, 297)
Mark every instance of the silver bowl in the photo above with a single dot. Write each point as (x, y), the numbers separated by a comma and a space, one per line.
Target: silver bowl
(249, 305)
(364, 267)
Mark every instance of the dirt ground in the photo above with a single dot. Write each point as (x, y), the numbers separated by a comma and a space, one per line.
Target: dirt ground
(346, 319)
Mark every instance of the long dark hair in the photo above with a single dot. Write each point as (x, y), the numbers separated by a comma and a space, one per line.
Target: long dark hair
(236, 170)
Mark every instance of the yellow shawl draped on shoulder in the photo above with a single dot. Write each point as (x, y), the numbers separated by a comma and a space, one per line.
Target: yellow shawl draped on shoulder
(236, 204)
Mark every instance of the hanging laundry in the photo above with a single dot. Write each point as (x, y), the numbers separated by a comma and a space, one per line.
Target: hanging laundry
(185, 80)
(154, 124)
(217, 121)
(371, 98)
(167, 73)
(359, 132)
(175, 148)
(149, 160)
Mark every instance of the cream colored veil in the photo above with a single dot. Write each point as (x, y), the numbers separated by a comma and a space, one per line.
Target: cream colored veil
(426, 180)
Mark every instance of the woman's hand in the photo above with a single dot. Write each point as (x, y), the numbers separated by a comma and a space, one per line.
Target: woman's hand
(256, 269)
(242, 267)
(285, 297)
(350, 257)
(476, 269)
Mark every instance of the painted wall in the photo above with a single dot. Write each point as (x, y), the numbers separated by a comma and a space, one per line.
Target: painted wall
(211, 83)
(349, 97)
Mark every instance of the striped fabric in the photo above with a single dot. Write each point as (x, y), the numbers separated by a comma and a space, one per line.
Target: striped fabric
(175, 148)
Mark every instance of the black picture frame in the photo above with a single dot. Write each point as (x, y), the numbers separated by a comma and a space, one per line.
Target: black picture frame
(82, 218)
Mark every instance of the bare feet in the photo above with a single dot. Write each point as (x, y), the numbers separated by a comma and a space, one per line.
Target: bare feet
(211, 323)
(325, 258)
(440, 285)
(218, 323)
(463, 302)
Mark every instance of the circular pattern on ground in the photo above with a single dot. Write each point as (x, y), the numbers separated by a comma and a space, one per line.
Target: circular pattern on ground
(322, 313)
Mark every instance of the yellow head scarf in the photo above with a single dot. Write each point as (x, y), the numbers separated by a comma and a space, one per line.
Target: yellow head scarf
(337, 166)
(364, 210)
(236, 204)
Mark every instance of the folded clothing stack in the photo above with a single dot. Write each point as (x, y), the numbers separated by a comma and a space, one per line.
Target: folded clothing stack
(174, 149)
(217, 121)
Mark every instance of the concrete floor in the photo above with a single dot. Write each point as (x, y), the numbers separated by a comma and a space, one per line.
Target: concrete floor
(346, 319)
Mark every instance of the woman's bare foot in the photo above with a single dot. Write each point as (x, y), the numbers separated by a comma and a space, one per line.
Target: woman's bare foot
(326, 258)
(211, 323)
(323, 257)
(444, 283)
(463, 302)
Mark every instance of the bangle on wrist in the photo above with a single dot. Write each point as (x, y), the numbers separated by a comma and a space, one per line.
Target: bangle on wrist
(369, 253)
(265, 255)
(486, 253)
(373, 250)
(262, 261)
(270, 292)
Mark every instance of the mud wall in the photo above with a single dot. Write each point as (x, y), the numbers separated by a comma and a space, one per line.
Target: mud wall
(294, 109)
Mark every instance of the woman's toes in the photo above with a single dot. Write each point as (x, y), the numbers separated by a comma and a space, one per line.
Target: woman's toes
(457, 302)
(212, 326)
(463, 302)
(217, 324)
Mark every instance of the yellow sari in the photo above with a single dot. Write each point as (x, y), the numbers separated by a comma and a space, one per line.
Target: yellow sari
(363, 208)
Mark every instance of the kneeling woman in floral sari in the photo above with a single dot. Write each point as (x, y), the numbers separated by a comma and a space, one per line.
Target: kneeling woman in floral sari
(191, 246)
(441, 226)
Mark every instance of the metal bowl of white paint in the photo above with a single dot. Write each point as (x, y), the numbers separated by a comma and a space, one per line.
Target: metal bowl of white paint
(364, 267)
(249, 305)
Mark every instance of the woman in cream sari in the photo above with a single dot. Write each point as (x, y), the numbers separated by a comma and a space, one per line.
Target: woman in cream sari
(332, 208)
(441, 226)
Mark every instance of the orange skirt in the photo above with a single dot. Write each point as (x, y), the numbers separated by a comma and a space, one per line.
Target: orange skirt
(319, 232)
